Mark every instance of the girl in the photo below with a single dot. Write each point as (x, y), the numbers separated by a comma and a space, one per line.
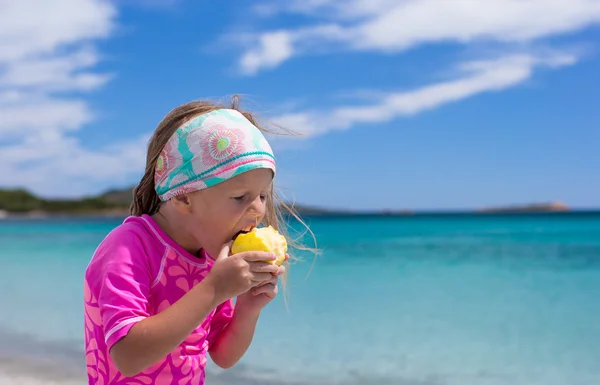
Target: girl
(159, 288)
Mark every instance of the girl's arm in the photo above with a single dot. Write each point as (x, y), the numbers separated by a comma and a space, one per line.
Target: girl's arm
(153, 338)
(235, 339)
(231, 343)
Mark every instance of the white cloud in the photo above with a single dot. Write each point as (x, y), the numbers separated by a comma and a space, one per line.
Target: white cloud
(273, 49)
(475, 77)
(54, 73)
(47, 61)
(32, 28)
(395, 26)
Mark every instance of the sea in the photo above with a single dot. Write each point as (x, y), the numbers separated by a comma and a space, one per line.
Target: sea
(503, 299)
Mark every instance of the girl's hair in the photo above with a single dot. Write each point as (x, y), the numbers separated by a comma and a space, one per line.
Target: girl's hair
(145, 198)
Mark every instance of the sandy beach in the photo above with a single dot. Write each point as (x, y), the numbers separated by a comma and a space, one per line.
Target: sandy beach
(26, 380)
(21, 370)
(24, 371)
(14, 379)
(26, 360)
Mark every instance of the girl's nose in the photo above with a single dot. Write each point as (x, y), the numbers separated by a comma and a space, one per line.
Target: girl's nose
(258, 207)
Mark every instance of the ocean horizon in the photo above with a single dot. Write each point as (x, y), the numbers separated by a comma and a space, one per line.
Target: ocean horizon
(420, 299)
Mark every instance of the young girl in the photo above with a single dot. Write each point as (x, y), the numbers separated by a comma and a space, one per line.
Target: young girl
(159, 288)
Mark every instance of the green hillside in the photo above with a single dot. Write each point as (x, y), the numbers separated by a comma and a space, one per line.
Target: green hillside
(22, 201)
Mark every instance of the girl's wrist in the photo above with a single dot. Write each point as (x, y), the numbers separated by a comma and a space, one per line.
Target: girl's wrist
(247, 310)
(206, 293)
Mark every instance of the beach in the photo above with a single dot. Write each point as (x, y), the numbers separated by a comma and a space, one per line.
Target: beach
(25, 375)
(407, 300)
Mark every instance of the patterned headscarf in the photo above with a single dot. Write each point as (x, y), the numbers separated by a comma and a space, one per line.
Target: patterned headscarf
(210, 149)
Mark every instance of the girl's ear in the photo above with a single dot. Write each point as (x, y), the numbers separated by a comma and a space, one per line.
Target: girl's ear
(182, 203)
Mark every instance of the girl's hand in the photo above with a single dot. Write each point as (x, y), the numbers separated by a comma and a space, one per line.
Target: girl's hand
(262, 294)
(232, 275)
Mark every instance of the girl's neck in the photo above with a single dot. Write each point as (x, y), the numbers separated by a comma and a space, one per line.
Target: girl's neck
(169, 225)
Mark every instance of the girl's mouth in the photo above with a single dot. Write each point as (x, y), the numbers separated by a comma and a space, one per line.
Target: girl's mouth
(244, 231)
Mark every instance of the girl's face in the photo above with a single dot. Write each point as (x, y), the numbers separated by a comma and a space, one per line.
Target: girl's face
(216, 214)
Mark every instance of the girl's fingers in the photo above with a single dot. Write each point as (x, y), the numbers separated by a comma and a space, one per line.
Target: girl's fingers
(263, 283)
(261, 277)
(257, 256)
(263, 267)
(268, 289)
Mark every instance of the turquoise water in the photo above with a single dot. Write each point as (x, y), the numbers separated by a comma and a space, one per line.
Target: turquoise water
(392, 300)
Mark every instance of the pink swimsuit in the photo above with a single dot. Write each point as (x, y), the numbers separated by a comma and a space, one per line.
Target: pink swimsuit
(136, 272)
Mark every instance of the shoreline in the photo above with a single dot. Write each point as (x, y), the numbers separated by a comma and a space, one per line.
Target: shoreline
(332, 214)
(23, 370)
(20, 203)
(115, 203)
(19, 370)
(28, 360)
(533, 209)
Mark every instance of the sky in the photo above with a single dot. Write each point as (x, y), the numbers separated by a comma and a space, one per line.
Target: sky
(404, 104)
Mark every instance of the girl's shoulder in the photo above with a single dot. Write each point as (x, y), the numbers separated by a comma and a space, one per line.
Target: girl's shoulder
(131, 242)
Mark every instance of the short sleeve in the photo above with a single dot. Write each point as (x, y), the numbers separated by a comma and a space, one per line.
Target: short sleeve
(220, 320)
(124, 286)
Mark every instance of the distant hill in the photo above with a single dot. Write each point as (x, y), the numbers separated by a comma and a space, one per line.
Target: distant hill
(119, 197)
(22, 201)
(531, 208)
(117, 201)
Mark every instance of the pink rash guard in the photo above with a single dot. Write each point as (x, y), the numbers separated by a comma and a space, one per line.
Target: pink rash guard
(136, 272)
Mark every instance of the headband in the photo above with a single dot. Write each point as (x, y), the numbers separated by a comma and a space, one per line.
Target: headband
(210, 149)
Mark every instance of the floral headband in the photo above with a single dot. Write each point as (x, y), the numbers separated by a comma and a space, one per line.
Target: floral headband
(210, 149)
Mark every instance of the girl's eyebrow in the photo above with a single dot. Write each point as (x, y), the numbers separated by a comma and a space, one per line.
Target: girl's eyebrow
(240, 187)
(244, 191)
(239, 191)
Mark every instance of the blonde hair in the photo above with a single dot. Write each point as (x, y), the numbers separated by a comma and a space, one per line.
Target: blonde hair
(145, 198)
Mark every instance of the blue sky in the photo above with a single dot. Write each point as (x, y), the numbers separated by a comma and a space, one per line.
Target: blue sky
(403, 104)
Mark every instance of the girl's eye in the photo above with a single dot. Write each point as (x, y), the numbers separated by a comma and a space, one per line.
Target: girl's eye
(243, 197)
